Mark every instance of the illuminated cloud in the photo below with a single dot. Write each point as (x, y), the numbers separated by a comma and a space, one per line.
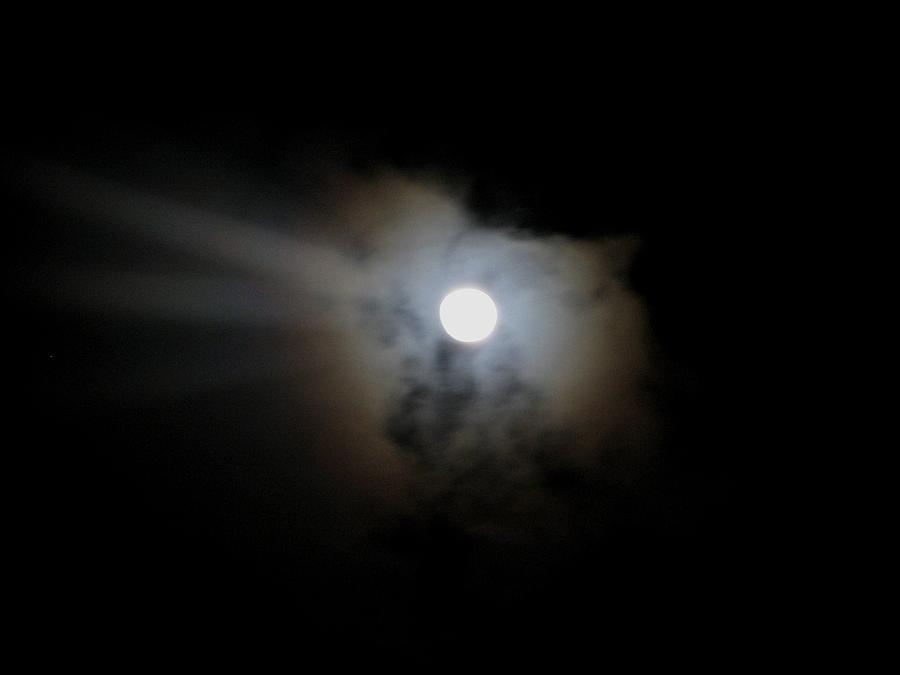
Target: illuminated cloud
(402, 413)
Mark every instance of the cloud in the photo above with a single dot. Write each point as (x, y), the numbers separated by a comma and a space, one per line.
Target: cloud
(561, 387)
(505, 439)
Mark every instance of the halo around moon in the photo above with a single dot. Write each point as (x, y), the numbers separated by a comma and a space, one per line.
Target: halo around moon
(468, 314)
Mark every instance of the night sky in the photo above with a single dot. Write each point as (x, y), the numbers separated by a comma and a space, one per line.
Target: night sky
(241, 428)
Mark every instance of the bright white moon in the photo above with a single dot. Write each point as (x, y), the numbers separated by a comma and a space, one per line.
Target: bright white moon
(468, 315)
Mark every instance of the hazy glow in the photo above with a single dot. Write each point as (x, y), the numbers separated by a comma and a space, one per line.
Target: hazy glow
(468, 315)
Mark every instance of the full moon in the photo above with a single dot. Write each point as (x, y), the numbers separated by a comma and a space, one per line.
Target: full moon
(468, 315)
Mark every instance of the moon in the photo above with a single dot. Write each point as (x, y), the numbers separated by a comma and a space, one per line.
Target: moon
(468, 314)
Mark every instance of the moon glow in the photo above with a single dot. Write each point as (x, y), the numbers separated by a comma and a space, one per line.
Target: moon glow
(468, 315)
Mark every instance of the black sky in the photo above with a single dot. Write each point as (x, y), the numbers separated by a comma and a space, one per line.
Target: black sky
(174, 487)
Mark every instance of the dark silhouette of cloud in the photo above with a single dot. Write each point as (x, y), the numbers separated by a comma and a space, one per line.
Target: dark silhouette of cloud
(529, 437)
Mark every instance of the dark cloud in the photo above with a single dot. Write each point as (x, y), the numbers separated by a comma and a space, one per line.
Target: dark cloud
(500, 438)
(238, 407)
(289, 376)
